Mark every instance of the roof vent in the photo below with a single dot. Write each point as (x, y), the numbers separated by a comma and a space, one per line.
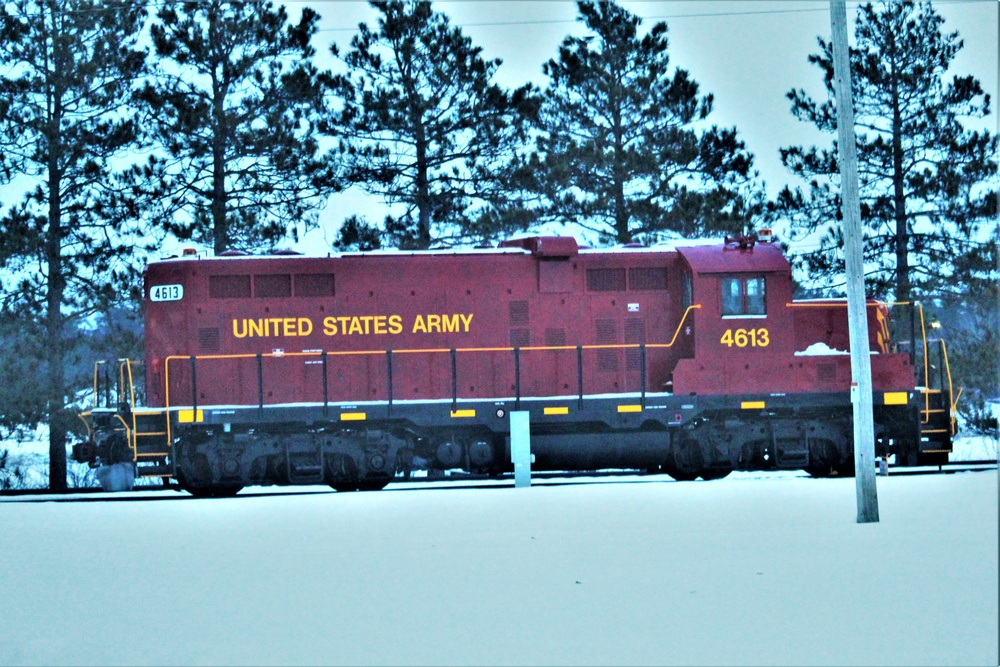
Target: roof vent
(545, 246)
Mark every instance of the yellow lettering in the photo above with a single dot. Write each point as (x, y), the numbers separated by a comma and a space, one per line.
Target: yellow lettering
(449, 323)
(466, 321)
(418, 325)
(255, 328)
(305, 326)
(433, 323)
(288, 326)
(347, 325)
(236, 331)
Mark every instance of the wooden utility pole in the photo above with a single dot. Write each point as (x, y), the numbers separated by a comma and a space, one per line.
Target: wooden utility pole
(857, 318)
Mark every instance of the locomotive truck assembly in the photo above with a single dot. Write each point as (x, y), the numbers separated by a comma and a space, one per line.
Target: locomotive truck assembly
(346, 370)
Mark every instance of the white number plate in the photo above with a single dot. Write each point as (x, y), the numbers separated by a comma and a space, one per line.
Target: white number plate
(166, 293)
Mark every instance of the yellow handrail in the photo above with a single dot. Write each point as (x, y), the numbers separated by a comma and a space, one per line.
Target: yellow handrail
(124, 365)
(951, 390)
(316, 353)
(96, 397)
(83, 417)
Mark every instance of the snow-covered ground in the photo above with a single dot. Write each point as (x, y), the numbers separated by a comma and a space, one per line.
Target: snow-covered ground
(758, 568)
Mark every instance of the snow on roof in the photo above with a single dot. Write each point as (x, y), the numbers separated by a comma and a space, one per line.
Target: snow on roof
(696, 248)
(818, 350)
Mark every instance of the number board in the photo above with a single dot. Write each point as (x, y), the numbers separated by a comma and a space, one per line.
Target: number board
(166, 293)
(746, 338)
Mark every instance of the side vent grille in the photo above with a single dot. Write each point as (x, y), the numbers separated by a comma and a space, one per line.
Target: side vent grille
(635, 333)
(209, 340)
(518, 311)
(314, 284)
(276, 285)
(826, 374)
(653, 278)
(520, 337)
(605, 280)
(555, 337)
(607, 334)
(229, 287)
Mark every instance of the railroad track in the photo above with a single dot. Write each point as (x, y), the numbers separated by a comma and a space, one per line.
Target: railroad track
(946, 468)
(894, 470)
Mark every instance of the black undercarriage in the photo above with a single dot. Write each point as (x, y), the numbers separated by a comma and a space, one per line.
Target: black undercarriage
(218, 451)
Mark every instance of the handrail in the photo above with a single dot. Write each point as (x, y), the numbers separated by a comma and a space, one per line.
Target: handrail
(389, 353)
(97, 366)
(82, 417)
(126, 365)
(128, 435)
(951, 390)
(927, 377)
(841, 302)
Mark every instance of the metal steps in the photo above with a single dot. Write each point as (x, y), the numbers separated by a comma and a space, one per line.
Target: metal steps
(149, 440)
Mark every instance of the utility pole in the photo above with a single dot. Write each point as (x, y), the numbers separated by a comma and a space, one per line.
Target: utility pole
(857, 318)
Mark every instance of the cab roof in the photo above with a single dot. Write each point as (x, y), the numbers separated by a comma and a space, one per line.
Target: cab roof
(732, 258)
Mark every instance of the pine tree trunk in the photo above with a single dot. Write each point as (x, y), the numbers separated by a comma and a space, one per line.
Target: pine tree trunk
(56, 285)
(423, 191)
(220, 228)
(902, 239)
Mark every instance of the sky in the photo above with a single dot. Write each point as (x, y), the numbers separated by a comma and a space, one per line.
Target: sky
(754, 569)
(748, 53)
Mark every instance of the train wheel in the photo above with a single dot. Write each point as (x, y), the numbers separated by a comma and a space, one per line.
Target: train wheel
(213, 491)
(685, 462)
(373, 484)
(819, 471)
(845, 469)
(344, 488)
(709, 475)
(342, 473)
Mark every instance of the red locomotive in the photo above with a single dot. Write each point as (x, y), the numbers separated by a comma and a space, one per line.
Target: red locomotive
(349, 369)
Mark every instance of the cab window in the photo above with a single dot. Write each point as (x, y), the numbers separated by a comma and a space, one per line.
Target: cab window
(743, 296)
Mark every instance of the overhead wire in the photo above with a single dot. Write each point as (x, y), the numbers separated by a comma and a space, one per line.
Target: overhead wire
(821, 7)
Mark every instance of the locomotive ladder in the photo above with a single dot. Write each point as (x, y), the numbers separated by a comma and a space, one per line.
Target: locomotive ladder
(149, 443)
(938, 415)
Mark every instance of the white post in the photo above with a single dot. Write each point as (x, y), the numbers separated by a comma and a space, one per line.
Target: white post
(857, 318)
(520, 448)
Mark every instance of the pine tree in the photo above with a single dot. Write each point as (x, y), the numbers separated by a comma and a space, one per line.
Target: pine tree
(233, 106)
(928, 184)
(66, 251)
(424, 128)
(619, 152)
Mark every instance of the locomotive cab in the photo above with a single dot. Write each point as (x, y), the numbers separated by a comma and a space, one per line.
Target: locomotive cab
(743, 325)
